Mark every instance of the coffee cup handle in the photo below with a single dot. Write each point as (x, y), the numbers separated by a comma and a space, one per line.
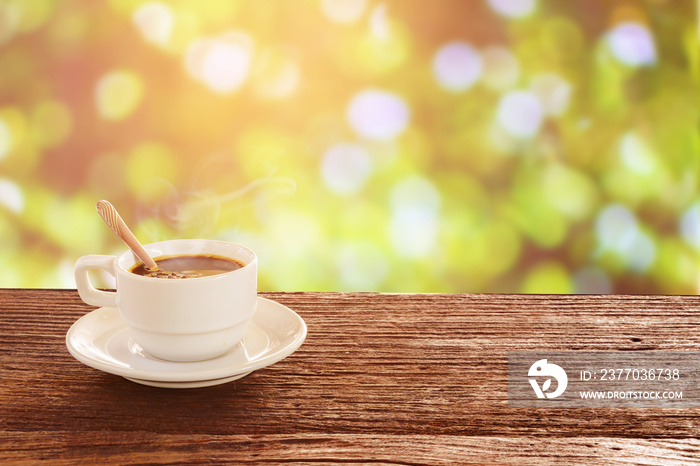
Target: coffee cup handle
(89, 293)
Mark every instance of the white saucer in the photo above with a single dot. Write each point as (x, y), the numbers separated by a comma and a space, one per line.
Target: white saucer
(101, 340)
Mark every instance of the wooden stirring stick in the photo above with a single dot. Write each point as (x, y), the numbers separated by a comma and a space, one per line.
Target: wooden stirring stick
(111, 217)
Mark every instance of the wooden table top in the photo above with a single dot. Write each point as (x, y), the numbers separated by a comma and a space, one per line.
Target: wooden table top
(388, 378)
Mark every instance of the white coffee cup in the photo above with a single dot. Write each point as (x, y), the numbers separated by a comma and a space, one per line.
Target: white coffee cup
(190, 319)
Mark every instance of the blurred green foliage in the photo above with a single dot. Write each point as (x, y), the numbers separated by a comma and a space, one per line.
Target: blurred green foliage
(538, 146)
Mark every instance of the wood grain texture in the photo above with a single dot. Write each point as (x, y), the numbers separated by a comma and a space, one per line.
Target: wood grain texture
(59, 447)
(394, 378)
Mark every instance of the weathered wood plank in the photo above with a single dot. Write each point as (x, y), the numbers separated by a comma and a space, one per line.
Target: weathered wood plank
(373, 366)
(60, 447)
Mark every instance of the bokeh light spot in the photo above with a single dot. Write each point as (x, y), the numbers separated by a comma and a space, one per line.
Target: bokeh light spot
(10, 14)
(343, 11)
(362, 266)
(636, 155)
(675, 268)
(618, 232)
(415, 193)
(501, 68)
(520, 114)
(263, 150)
(690, 226)
(413, 233)
(378, 114)
(457, 66)
(632, 44)
(83, 233)
(118, 94)
(415, 202)
(155, 21)
(553, 92)
(124, 7)
(592, 280)
(642, 254)
(513, 8)
(11, 195)
(385, 47)
(345, 168)
(548, 277)
(379, 23)
(616, 227)
(489, 250)
(51, 122)
(151, 170)
(187, 28)
(34, 14)
(297, 239)
(15, 132)
(5, 139)
(276, 75)
(569, 191)
(223, 63)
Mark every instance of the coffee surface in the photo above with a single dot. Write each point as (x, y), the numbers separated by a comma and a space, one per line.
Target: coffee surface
(188, 266)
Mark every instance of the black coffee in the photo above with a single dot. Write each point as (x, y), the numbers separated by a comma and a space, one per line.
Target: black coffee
(188, 266)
